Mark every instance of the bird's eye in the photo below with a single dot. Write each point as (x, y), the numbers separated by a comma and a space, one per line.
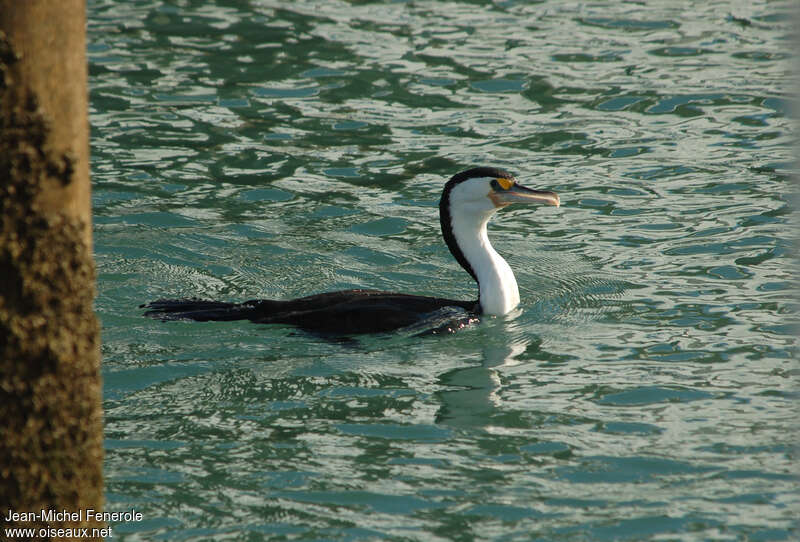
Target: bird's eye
(502, 184)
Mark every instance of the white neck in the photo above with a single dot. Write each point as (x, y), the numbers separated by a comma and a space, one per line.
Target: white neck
(499, 293)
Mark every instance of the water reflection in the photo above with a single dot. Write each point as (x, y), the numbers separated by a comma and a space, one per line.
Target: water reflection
(470, 396)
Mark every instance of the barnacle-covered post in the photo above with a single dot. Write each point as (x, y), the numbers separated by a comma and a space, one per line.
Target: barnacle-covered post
(50, 389)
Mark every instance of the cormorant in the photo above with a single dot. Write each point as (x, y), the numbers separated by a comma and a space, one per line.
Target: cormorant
(468, 201)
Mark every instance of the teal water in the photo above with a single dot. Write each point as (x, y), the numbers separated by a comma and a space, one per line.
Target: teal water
(646, 388)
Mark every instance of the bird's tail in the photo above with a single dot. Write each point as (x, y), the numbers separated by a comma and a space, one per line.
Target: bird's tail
(200, 310)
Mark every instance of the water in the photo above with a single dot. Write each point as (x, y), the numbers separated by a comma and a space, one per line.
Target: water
(646, 388)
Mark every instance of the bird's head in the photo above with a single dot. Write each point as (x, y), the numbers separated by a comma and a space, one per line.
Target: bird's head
(483, 190)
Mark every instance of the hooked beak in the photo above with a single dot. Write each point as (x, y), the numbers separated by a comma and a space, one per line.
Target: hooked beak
(520, 194)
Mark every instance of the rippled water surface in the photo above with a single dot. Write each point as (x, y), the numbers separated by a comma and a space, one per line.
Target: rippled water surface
(645, 389)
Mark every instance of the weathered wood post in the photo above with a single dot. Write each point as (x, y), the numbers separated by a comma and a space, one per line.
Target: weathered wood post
(51, 449)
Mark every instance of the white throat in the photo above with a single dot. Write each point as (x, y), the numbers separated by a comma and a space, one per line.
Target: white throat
(499, 293)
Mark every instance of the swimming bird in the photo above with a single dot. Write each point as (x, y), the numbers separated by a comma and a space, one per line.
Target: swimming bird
(468, 201)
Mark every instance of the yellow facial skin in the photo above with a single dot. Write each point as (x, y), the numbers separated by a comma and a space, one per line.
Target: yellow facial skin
(505, 183)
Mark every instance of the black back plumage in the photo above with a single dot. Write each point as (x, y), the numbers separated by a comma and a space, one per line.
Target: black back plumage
(346, 312)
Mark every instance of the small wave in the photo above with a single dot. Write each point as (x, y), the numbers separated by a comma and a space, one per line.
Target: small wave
(570, 290)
